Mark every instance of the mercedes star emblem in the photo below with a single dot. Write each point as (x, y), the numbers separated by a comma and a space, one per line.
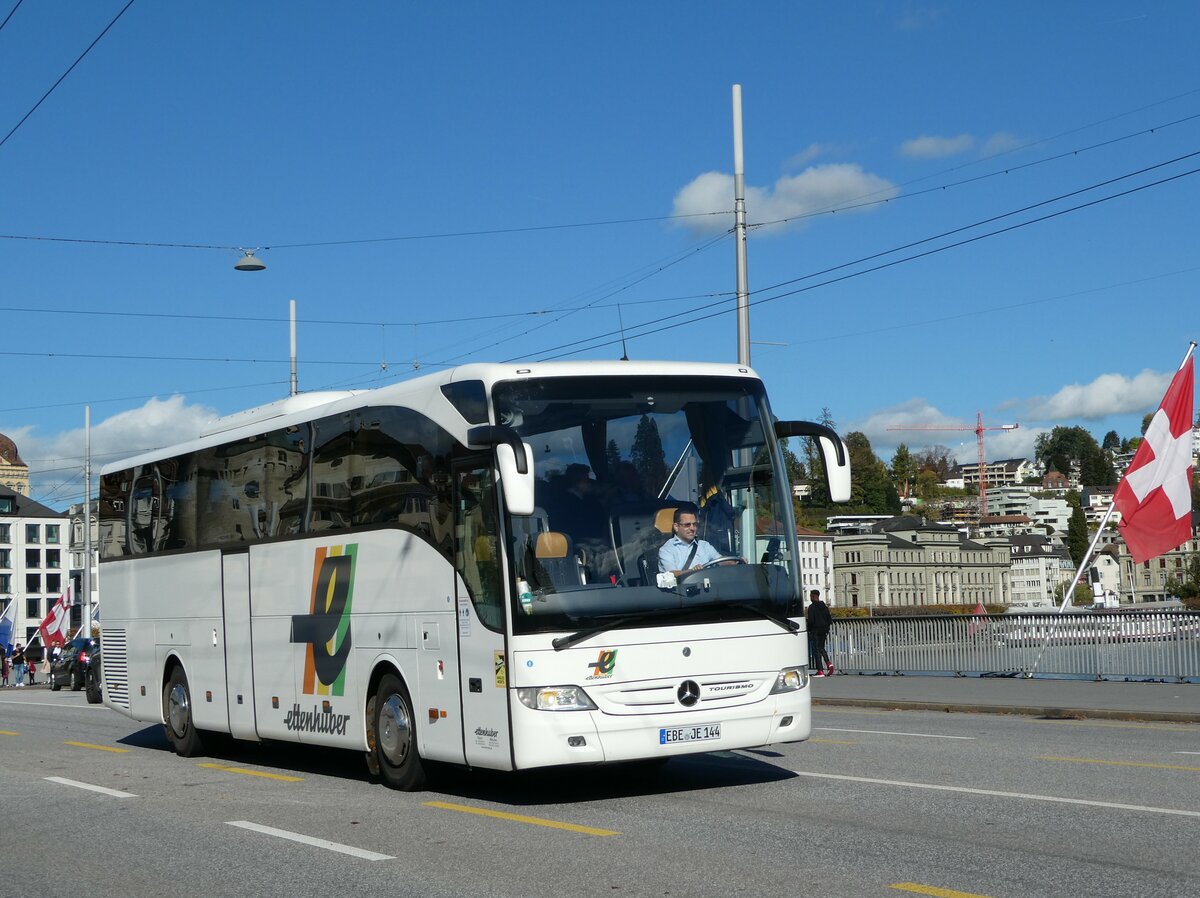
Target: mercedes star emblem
(688, 693)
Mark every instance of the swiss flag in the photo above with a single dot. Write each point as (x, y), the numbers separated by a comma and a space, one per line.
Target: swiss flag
(1155, 495)
(54, 628)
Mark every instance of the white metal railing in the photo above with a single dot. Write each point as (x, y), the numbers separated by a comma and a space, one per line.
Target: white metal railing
(1137, 645)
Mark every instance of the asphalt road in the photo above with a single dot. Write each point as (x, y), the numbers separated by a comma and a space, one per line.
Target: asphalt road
(879, 803)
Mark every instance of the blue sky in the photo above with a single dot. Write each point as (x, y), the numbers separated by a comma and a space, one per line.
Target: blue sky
(348, 142)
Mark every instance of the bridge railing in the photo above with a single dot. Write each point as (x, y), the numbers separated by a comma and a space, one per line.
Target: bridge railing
(1134, 645)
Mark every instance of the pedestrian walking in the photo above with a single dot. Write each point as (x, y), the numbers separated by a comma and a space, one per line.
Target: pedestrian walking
(4, 665)
(18, 663)
(819, 621)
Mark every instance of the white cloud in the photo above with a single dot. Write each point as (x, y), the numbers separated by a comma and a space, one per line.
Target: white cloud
(807, 155)
(816, 189)
(933, 427)
(930, 147)
(1000, 142)
(1108, 394)
(56, 462)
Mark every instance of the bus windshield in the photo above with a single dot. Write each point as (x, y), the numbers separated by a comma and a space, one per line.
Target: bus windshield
(637, 477)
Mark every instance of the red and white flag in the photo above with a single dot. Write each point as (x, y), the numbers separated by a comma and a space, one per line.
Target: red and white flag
(58, 621)
(1155, 495)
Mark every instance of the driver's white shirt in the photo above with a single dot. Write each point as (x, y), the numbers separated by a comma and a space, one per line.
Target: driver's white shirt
(674, 552)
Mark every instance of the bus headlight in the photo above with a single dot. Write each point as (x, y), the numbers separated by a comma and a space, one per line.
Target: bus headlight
(790, 679)
(555, 698)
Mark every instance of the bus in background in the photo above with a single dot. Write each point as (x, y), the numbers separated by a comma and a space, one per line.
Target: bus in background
(464, 568)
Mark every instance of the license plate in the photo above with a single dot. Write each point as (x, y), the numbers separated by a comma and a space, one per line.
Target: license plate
(701, 733)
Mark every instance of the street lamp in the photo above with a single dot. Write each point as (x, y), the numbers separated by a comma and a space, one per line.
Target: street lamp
(249, 262)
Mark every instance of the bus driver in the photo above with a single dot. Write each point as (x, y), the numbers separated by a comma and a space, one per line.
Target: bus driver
(683, 552)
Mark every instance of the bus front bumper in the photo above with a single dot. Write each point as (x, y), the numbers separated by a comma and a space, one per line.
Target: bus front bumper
(546, 738)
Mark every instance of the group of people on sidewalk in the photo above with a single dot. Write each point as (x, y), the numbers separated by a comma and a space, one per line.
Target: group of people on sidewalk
(18, 667)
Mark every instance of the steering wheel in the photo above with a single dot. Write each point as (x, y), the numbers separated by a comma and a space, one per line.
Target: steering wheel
(724, 559)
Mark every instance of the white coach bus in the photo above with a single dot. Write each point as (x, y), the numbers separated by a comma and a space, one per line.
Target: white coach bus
(464, 568)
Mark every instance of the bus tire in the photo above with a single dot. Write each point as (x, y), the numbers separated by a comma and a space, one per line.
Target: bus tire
(177, 716)
(92, 685)
(394, 735)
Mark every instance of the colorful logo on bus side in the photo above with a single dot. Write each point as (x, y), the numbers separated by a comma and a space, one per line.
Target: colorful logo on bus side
(326, 628)
(603, 666)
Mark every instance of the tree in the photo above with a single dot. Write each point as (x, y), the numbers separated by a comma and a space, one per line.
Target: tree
(927, 485)
(1111, 442)
(612, 455)
(1096, 468)
(1065, 447)
(792, 463)
(936, 459)
(1077, 535)
(648, 455)
(1081, 596)
(870, 487)
(904, 470)
(819, 492)
(1186, 586)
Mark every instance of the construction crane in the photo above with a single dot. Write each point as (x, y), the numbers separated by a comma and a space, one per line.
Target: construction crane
(979, 429)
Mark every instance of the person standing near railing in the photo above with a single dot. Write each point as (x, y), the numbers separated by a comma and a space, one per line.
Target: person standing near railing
(819, 621)
(18, 663)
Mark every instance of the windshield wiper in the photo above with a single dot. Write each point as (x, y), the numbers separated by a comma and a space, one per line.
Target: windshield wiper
(565, 642)
(784, 622)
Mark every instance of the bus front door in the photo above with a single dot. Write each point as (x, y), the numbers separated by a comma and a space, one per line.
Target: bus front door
(239, 672)
(479, 600)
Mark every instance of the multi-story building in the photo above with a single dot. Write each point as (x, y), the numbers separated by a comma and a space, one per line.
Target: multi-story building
(33, 569)
(1002, 472)
(1046, 514)
(78, 553)
(904, 561)
(1038, 567)
(1147, 582)
(1095, 502)
(816, 563)
(14, 473)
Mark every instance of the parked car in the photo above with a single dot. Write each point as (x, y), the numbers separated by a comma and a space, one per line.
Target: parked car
(76, 665)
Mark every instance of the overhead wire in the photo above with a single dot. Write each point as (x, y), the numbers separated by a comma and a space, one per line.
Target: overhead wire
(16, 6)
(63, 76)
(853, 205)
(763, 300)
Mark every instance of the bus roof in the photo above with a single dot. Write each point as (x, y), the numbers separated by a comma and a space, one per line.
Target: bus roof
(307, 406)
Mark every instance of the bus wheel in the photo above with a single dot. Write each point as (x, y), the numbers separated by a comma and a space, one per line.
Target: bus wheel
(396, 737)
(92, 685)
(177, 716)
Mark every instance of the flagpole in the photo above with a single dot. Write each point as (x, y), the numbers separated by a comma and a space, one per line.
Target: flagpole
(1187, 355)
(1087, 556)
(87, 521)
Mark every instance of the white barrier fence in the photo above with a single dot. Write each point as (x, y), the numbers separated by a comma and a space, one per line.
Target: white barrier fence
(1134, 645)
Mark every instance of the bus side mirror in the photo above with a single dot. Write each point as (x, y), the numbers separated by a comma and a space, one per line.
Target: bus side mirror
(834, 454)
(518, 487)
(514, 458)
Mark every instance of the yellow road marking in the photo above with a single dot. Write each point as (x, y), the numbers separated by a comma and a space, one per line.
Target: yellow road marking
(535, 821)
(1120, 763)
(9, 733)
(245, 772)
(833, 741)
(98, 747)
(932, 890)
